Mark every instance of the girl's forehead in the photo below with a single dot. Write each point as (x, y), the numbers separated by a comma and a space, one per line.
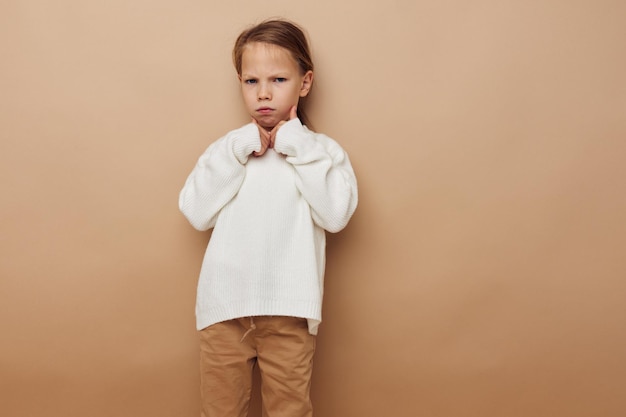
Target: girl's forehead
(257, 52)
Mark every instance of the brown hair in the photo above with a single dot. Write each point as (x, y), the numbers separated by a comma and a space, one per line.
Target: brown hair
(284, 34)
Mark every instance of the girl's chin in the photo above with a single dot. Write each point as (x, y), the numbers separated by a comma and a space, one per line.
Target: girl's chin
(269, 122)
(266, 124)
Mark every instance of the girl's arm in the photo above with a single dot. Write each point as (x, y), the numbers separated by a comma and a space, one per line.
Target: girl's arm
(324, 174)
(217, 176)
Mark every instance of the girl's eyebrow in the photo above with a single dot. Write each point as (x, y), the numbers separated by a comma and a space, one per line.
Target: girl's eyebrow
(277, 74)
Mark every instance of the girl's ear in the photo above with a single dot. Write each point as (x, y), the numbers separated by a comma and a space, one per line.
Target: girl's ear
(307, 83)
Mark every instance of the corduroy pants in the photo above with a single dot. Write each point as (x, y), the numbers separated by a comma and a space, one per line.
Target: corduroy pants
(282, 348)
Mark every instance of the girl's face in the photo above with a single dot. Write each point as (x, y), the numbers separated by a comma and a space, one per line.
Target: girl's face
(271, 83)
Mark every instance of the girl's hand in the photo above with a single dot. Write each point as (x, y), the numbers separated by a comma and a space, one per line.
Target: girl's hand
(293, 114)
(268, 138)
(265, 139)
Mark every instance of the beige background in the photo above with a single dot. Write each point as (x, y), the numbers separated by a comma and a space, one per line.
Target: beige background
(483, 274)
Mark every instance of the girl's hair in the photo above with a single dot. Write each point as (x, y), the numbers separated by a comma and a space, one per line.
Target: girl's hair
(284, 34)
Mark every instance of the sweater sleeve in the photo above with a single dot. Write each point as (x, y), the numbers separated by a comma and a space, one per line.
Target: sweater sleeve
(324, 175)
(217, 176)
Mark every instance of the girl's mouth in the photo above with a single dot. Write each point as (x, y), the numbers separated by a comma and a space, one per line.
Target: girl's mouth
(264, 110)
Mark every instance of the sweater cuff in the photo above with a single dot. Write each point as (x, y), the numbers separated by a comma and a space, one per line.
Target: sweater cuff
(245, 140)
(292, 138)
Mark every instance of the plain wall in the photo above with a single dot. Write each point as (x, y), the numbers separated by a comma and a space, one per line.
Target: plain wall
(483, 274)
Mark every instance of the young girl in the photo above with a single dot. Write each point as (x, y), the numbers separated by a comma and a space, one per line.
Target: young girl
(269, 190)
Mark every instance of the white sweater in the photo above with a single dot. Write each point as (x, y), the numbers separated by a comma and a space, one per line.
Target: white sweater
(266, 255)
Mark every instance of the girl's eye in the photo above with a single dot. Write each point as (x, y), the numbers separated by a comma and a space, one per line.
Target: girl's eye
(250, 81)
(280, 80)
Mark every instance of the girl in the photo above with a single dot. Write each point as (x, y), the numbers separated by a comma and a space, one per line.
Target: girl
(269, 190)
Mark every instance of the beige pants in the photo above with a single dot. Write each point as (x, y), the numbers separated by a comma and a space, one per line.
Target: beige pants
(283, 349)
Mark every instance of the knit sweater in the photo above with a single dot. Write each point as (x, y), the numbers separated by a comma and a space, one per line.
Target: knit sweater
(269, 214)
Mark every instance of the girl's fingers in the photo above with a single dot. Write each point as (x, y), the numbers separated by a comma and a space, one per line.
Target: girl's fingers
(274, 132)
(265, 138)
(264, 146)
(293, 114)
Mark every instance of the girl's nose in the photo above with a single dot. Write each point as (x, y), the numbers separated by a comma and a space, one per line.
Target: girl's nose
(263, 93)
